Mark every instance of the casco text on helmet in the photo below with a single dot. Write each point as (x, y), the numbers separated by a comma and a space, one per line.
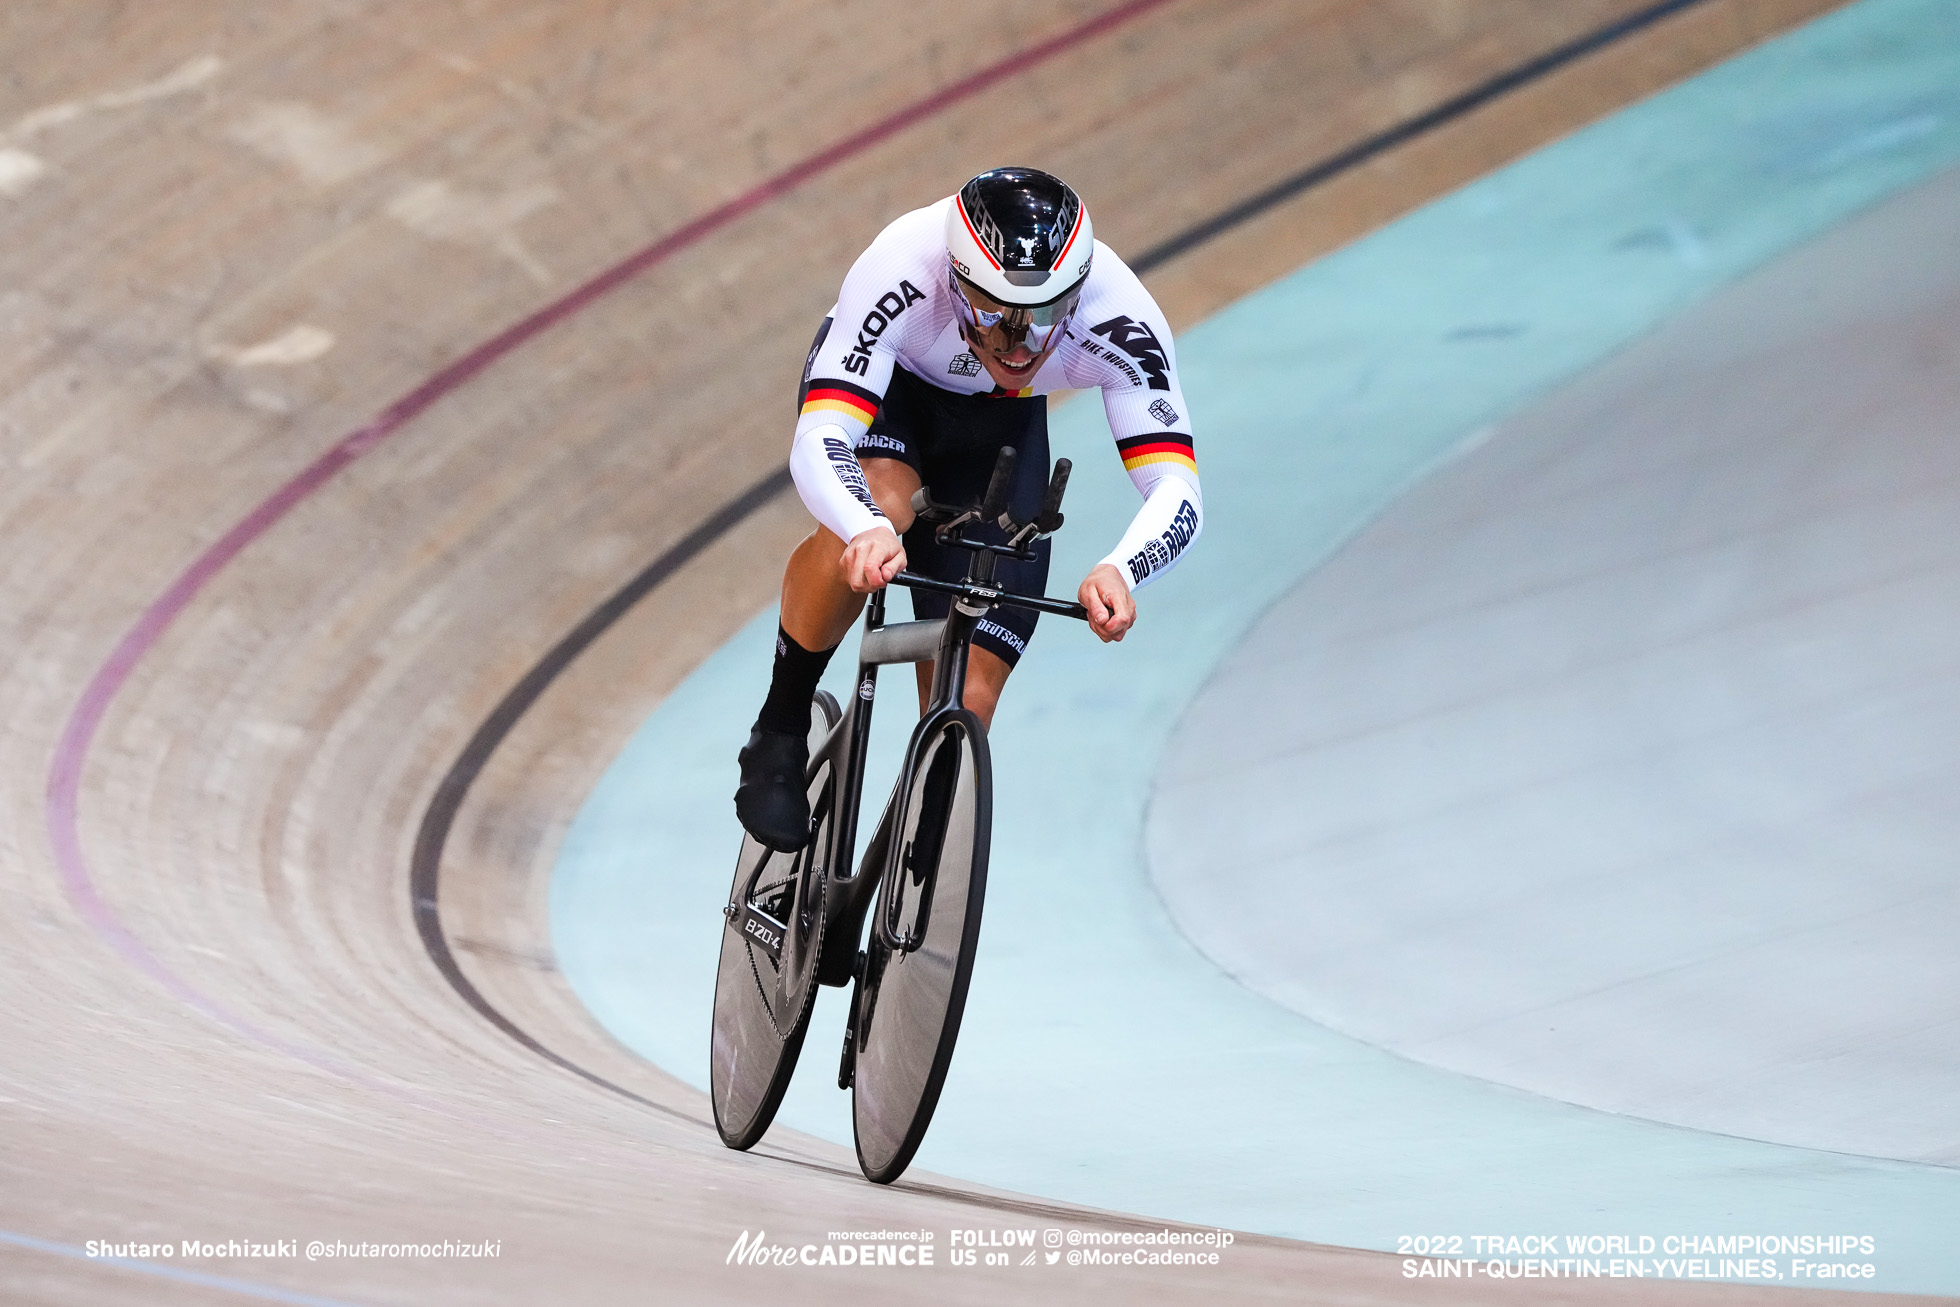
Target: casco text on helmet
(1020, 237)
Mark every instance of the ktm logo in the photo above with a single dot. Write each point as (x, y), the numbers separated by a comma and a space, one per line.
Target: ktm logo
(1138, 341)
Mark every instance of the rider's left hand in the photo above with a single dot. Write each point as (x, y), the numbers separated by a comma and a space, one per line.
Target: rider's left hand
(1111, 609)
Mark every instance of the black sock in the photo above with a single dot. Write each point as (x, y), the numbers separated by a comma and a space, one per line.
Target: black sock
(792, 684)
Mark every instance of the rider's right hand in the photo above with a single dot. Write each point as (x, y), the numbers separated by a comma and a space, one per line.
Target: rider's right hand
(872, 559)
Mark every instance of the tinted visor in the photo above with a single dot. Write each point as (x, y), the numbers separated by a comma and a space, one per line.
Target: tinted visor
(1000, 327)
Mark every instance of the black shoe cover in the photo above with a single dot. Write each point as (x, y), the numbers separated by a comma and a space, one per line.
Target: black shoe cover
(770, 800)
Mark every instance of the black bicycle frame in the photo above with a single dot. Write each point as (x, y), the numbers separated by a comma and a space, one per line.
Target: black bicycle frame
(945, 642)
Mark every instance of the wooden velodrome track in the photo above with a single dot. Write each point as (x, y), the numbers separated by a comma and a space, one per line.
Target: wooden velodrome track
(260, 246)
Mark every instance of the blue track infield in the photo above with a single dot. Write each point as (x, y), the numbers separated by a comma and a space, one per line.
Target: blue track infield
(1103, 1061)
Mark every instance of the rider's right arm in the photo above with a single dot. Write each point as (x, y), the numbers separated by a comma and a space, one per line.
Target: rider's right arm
(831, 482)
(880, 303)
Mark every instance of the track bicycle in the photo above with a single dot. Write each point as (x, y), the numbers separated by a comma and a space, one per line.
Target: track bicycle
(794, 921)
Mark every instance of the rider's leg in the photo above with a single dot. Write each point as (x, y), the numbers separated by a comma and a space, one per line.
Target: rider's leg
(818, 608)
(986, 673)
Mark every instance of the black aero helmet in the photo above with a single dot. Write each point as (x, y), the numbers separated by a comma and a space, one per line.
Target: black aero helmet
(1020, 243)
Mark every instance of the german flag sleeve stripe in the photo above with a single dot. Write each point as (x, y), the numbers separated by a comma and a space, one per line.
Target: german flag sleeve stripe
(841, 399)
(1141, 451)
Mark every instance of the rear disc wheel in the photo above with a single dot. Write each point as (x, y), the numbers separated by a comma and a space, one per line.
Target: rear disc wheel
(765, 985)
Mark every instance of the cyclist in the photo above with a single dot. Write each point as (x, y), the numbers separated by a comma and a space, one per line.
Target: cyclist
(949, 333)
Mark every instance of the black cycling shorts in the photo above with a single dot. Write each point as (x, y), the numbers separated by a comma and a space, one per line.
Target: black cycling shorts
(951, 441)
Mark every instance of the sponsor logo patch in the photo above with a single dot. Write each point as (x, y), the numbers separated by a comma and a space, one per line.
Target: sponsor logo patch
(882, 315)
(1138, 341)
(1163, 412)
(963, 365)
(1160, 553)
(1002, 634)
(843, 462)
(879, 440)
(990, 236)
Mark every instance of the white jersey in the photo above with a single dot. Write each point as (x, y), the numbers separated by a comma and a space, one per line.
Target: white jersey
(896, 310)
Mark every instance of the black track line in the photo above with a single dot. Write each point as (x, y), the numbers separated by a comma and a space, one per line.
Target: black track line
(440, 816)
(1407, 130)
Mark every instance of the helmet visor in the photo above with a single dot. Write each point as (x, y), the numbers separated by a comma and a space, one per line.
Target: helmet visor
(1000, 327)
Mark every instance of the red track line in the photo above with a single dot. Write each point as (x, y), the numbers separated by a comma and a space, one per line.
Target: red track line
(71, 752)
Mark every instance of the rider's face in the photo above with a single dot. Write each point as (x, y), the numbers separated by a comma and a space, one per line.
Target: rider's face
(1013, 369)
(987, 324)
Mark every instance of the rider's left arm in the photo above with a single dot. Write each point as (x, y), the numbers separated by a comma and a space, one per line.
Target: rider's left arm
(1170, 519)
(1172, 516)
(1128, 352)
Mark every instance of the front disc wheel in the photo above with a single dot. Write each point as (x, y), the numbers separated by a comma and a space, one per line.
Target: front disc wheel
(912, 996)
